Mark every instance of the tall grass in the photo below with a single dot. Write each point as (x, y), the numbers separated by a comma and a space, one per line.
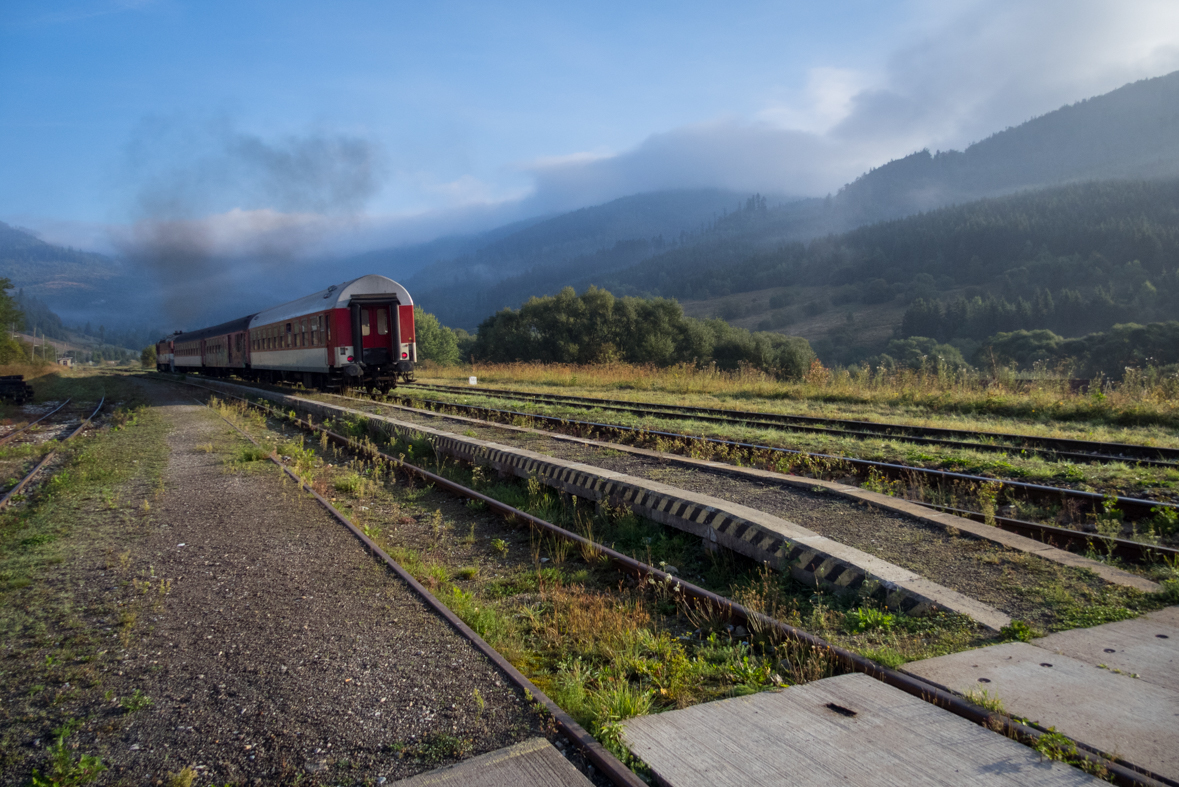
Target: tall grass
(1141, 397)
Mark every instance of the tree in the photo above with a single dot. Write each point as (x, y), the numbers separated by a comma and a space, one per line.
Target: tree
(11, 318)
(435, 341)
(596, 327)
(147, 358)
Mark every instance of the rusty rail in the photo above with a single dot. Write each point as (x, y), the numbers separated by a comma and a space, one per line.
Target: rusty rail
(16, 490)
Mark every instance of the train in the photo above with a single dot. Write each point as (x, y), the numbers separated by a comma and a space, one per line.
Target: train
(356, 334)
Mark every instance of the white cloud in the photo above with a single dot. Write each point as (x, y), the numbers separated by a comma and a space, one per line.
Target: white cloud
(827, 100)
(969, 70)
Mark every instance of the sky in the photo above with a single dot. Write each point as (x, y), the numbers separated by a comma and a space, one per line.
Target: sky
(272, 126)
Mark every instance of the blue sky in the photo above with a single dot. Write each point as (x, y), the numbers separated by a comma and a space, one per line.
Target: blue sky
(356, 124)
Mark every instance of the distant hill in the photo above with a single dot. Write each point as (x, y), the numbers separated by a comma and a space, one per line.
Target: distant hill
(55, 282)
(49, 272)
(692, 244)
(1131, 132)
(1072, 259)
(603, 238)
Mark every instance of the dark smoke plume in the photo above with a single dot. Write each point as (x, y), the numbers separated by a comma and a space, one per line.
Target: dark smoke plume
(227, 229)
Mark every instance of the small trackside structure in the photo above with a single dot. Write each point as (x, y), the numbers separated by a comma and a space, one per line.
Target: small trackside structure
(359, 333)
(13, 388)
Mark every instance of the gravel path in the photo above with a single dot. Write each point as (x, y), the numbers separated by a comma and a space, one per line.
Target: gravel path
(1004, 578)
(283, 651)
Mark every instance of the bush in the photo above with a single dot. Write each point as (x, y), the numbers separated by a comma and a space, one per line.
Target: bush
(596, 327)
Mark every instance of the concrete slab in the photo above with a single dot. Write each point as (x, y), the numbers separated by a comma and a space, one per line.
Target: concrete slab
(1146, 648)
(847, 730)
(1130, 719)
(784, 545)
(533, 763)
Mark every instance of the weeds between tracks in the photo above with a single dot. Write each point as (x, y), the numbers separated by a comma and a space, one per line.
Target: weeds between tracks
(603, 648)
(1161, 527)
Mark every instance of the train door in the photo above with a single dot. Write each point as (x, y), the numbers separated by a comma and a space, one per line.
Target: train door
(376, 332)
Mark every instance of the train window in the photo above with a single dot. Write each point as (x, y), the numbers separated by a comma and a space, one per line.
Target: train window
(315, 331)
(382, 321)
(288, 339)
(303, 323)
(327, 329)
(364, 329)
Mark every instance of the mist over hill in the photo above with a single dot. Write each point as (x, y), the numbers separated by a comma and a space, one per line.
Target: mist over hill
(694, 244)
(1129, 133)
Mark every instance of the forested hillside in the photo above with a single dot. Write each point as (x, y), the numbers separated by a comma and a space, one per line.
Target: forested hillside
(64, 279)
(1131, 132)
(544, 256)
(1072, 259)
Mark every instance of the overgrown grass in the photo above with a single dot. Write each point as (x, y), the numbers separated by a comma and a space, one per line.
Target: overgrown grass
(984, 496)
(604, 649)
(58, 657)
(1140, 399)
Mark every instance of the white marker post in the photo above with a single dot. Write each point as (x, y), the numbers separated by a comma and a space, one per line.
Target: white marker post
(472, 380)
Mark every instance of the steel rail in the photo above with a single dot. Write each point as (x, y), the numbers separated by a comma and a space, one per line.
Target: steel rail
(1127, 549)
(1121, 547)
(16, 490)
(1046, 446)
(31, 424)
(593, 751)
(1121, 772)
(1142, 507)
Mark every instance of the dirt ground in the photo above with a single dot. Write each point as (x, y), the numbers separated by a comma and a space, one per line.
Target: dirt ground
(267, 646)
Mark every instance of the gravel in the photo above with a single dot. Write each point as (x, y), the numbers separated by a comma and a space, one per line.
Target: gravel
(284, 651)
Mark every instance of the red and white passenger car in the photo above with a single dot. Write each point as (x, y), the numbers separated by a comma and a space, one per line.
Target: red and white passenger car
(358, 333)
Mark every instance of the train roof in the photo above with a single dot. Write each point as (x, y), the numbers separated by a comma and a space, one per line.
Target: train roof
(232, 326)
(337, 296)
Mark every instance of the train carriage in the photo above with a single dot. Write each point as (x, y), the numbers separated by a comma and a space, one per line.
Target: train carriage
(358, 333)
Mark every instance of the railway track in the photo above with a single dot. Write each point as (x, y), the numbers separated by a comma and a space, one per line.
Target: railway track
(22, 430)
(1085, 451)
(1076, 540)
(23, 483)
(848, 661)
(1132, 507)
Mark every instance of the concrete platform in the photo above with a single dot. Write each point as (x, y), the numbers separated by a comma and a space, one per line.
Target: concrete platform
(809, 557)
(847, 730)
(1130, 719)
(1146, 648)
(533, 763)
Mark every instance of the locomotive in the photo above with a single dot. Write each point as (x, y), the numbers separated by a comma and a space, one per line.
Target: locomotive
(359, 333)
